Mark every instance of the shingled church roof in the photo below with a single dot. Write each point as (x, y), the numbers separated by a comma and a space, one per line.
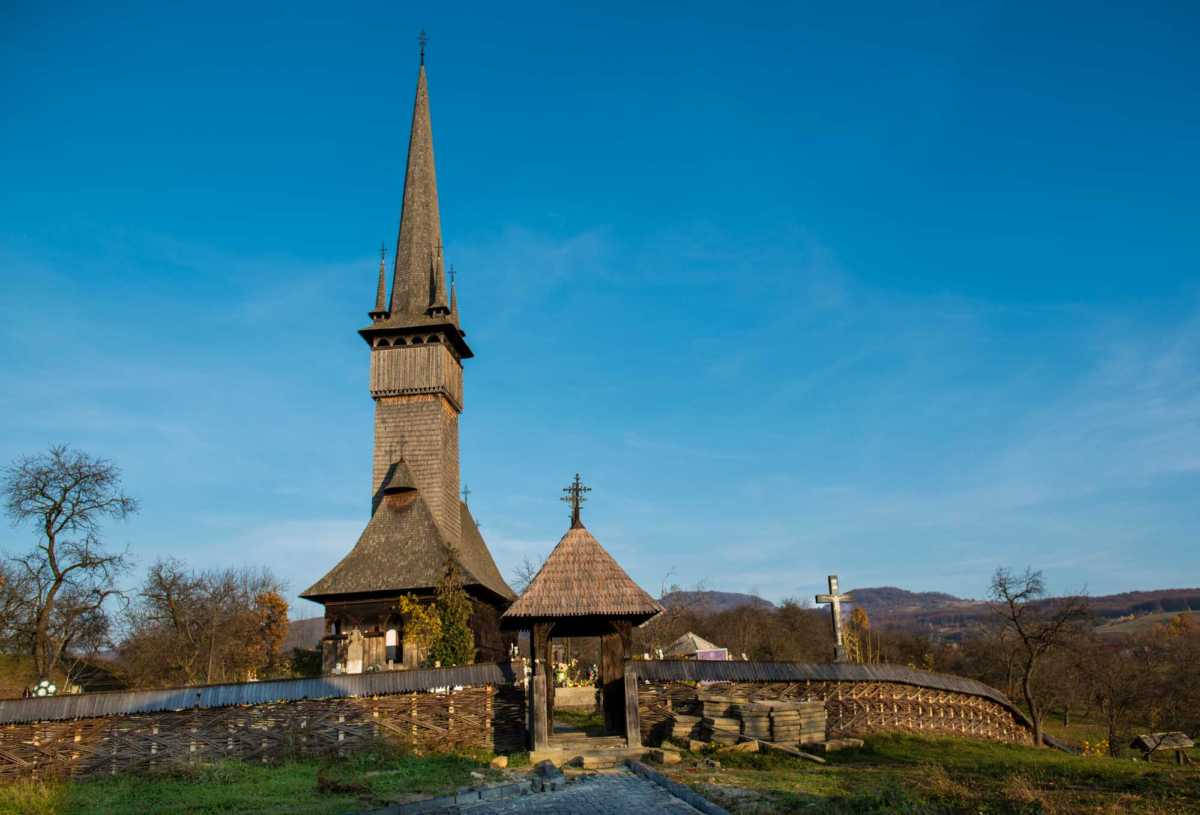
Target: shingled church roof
(402, 550)
(578, 579)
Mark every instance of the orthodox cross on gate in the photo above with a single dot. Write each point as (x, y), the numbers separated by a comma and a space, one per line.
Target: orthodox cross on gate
(422, 41)
(574, 495)
(835, 600)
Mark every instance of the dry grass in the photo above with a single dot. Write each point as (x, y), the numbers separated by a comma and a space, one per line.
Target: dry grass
(907, 774)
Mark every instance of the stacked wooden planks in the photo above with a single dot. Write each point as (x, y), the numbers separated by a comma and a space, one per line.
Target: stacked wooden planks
(799, 722)
(685, 727)
(795, 721)
(721, 722)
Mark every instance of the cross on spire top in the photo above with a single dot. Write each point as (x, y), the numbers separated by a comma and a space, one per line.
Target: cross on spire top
(575, 496)
(422, 41)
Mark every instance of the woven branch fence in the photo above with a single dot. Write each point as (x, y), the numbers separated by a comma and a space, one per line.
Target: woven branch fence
(489, 717)
(858, 699)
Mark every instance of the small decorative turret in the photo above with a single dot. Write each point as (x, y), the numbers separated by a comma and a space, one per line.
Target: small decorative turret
(380, 311)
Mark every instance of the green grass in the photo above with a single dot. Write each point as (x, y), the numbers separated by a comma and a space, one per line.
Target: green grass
(311, 787)
(907, 774)
(590, 722)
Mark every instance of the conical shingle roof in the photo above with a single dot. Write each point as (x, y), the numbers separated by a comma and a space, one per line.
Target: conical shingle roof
(579, 579)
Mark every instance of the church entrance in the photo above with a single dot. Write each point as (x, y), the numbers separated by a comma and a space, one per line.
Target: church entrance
(611, 642)
(581, 592)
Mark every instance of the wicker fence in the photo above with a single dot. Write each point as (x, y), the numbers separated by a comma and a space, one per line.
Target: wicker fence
(858, 699)
(446, 715)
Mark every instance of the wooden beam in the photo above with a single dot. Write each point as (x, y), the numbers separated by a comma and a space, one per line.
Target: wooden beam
(541, 723)
(633, 724)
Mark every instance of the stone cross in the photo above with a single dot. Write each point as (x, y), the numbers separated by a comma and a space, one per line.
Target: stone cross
(835, 600)
(574, 495)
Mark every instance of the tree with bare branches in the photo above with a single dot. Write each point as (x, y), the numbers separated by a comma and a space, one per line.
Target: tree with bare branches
(1038, 626)
(186, 627)
(524, 572)
(66, 580)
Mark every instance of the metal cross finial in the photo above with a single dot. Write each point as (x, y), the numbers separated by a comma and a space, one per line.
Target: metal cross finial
(835, 600)
(453, 275)
(382, 253)
(574, 495)
(422, 41)
(466, 494)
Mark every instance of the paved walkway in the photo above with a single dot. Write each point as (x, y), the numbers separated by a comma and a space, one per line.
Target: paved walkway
(616, 793)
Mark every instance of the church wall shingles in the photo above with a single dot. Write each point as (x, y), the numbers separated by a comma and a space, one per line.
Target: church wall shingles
(424, 428)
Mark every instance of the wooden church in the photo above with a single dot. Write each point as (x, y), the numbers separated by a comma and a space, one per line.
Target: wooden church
(419, 526)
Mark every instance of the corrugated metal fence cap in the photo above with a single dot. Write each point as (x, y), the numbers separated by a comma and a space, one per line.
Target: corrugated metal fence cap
(114, 703)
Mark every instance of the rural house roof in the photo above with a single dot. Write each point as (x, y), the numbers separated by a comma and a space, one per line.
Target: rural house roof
(579, 579)
(690, 643)
(402, 550)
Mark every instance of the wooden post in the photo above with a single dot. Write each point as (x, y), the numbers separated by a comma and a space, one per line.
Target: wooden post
(541, 733)
(633, 722)
(615, 648)
(539, 641)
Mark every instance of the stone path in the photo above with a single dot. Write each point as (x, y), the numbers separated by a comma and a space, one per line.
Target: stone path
(614, 793)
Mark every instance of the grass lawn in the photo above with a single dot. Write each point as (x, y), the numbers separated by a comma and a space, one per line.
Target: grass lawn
(908, 774)
(330, 787)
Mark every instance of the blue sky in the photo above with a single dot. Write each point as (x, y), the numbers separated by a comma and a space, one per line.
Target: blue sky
(899, 293)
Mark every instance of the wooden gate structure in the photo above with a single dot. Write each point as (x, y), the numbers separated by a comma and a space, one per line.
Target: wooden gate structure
(580, 591)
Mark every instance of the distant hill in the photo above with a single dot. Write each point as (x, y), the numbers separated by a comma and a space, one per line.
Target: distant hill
(1141, 624)
(304, 633)
(892, 600)
(949, 617)
(712, 602)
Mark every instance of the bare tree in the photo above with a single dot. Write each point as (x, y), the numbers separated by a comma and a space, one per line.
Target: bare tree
(187, 627)
(1120, 673)
(69, 575)
(1039, 626)
(523, 573)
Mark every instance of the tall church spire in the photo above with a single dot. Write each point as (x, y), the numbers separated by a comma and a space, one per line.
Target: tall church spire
(418, 282)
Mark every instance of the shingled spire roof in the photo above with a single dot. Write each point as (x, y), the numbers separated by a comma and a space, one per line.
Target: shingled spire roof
(419, 295)
(415, 282)
(581, 579)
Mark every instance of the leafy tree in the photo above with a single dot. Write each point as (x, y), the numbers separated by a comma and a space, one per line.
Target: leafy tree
(1039, 627)
(455, 644)
(422, 624)
(55, 595)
